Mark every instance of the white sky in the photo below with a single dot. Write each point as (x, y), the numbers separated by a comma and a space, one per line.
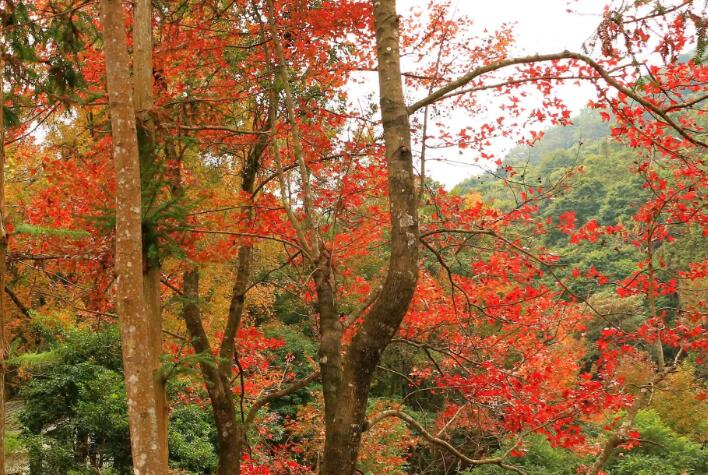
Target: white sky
(542, 26)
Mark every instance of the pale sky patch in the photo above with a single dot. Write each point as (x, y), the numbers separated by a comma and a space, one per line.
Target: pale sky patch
(540, 26)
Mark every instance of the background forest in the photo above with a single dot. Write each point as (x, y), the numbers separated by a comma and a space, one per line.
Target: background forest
(216, 261)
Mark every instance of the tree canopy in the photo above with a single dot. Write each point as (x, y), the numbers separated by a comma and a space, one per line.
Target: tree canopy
(216, 257)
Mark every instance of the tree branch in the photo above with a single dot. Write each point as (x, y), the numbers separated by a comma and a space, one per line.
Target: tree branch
(247, 235)
(440, 442)
(220, 128)
(462, 81)
(265, 399)
(22, 307)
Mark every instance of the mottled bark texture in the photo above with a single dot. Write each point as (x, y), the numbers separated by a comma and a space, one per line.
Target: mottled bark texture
(144, 101)
(349, 390)
(140, 377)
(3, 271)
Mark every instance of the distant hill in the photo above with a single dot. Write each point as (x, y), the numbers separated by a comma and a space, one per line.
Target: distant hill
(587, 127)
(602, 187)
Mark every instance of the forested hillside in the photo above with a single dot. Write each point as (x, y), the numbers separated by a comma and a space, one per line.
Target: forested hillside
(592, 177)
(223, 250)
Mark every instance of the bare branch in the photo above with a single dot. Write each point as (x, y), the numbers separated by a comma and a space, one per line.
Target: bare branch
(282, 69)
(251, 235)
(220, 128)
(369, 301)
(22, 307)
(462, 81)
(263, 400)
(440, 442)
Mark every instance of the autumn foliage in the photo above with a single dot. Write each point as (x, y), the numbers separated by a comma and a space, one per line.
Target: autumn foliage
(289, 225)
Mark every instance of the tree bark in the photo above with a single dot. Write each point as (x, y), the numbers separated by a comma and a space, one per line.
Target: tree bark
(151, 292)
(229, 436)
(3, 270)
(345, 423)
(230, 429)
(142, 58)
(245, 254)
(140, 377)
(144, 101)
(330, 352)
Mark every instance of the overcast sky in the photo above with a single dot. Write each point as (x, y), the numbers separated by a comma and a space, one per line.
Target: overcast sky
(542, 26)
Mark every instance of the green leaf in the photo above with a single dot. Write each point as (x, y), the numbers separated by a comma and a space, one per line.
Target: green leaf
(45, 231)
(34, 360)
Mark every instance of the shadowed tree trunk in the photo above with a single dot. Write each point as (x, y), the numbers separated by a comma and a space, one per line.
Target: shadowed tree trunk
(346, 372)
(346, 385)
(140, 377)
(230, 426)
(228, 433)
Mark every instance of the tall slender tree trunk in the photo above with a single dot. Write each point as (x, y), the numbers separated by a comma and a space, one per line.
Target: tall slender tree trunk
(230, 426)
(140, 377)
(3, 269)
(144, 101)
(142, 57)
(229, 435)
(330, 360)
(345, 423)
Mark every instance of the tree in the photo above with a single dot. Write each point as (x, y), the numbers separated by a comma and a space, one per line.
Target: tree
(3, 268)
(346, 380)
(75, 413)
(144, 102)
(242, 171)
(378, 328)
(140, 375)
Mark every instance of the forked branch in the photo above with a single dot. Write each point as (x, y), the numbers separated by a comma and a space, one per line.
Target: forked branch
(412, 423)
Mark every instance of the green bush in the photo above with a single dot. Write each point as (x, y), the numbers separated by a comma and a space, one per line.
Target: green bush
(75, 413)
(662, 451)
(540, 459)
(192, 439)
(75, 418)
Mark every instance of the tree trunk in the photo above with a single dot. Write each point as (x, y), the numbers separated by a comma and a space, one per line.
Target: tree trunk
(228, 432)
(345, 423)
(142, 57)
(140, 377)
(144, 101)
(228, 429)
(244, 258)
(3, 270)
(151, 292)
(330, 346)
